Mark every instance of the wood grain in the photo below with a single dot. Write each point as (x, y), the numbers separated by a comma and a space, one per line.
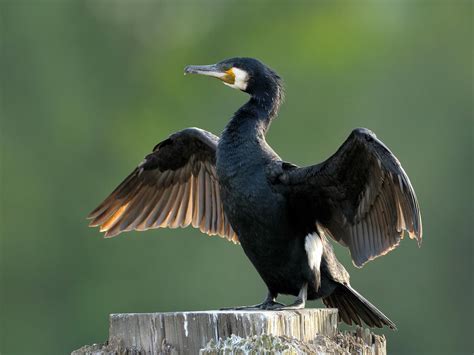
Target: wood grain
(191, 331)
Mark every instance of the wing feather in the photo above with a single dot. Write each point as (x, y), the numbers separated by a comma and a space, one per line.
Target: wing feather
(175, 186)
(153, 201)
(361, 195)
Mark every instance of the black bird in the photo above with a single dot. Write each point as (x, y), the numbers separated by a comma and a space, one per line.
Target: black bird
(237, 187)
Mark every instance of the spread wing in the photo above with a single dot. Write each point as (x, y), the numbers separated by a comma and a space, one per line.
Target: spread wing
(175, 186)
(361, 196)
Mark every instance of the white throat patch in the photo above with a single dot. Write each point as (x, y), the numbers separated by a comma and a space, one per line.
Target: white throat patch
(241, 79)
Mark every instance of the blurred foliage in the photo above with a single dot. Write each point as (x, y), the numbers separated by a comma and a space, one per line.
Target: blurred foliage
(88, 87)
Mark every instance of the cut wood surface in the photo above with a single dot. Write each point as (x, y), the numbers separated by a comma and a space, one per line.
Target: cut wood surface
(219, 332)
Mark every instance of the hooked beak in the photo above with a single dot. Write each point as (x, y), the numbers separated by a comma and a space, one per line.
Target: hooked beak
(211, 70)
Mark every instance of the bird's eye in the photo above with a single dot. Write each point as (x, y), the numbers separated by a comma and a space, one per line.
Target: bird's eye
(227, 66)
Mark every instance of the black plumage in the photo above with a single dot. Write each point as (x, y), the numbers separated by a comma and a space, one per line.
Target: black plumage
(237, 187)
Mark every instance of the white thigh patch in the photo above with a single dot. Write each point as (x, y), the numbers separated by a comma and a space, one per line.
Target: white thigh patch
(314, 250)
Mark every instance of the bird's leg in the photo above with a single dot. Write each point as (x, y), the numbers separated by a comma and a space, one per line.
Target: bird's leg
(268, 303)
(300, 301)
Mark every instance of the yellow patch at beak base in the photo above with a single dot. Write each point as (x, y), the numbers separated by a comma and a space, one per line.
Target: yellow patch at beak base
(229, 77)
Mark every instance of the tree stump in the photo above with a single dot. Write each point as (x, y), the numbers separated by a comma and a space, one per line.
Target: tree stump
(233, 332)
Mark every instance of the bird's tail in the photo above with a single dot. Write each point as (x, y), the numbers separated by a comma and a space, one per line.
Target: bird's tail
(354, 308)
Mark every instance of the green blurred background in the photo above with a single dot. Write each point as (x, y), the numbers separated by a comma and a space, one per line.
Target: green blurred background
(88, 88)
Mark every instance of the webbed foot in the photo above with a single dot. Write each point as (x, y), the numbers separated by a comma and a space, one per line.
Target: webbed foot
(256, 307)
(299, 303)
(268, 304)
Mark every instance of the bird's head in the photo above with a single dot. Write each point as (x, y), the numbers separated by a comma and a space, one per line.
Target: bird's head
(246, 74)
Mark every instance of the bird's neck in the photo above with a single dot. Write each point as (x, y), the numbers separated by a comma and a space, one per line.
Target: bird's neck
(255, 117)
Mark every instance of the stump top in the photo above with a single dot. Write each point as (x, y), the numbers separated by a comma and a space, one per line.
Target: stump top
(327, 311)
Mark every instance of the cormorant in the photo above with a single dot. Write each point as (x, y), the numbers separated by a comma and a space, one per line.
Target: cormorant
(237, 187)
